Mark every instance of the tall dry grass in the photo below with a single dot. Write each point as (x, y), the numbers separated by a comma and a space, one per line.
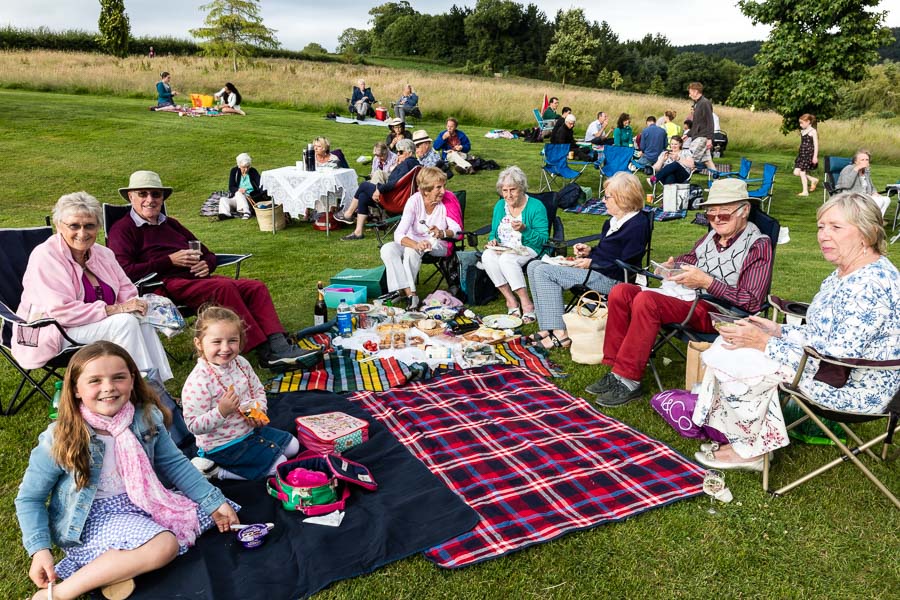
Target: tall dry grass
(492, 102)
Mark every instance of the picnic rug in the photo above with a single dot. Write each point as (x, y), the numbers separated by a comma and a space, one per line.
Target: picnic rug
(534, 461)
(346, 370)
(368, 121)
(598, 207)
(412, 510)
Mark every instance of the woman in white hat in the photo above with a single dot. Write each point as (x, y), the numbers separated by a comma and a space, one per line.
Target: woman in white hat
(398, 132)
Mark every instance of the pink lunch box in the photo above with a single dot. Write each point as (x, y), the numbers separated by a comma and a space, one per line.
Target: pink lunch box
(331, 432)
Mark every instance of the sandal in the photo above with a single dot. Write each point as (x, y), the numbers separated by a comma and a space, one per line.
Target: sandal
(514, 311)
(812, 186)
(558, 343)
(529, 317)
(538, 339)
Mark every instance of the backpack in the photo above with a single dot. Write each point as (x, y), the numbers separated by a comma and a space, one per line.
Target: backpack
(533, 135)
(477, 287)
(695, 196)
(570, 196)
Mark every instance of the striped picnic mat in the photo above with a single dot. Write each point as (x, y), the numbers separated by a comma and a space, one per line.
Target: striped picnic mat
(346, 370)
(532, 460)
(598, 207)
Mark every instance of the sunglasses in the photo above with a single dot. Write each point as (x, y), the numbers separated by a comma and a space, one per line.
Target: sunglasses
(89, 227)
(722, 216)
(150, 193)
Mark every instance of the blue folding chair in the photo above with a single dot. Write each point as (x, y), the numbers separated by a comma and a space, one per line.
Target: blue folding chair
(556, 164)
(833, 167)
(615, 159)
(765, 190)
(545, 125)
(743, 172)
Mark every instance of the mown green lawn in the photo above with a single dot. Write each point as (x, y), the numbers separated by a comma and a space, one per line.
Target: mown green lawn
(836, 528)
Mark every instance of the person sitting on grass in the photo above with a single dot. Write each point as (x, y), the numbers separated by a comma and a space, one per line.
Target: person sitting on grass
(454, 146)
(424, 152)
(397, 132)
(148, 241)
(653, 142)
(368, 192)
(597, 133)
(732, 262)
(624, 237)
(165, 95)
(230, 100)
(623, 135)
(243, 185)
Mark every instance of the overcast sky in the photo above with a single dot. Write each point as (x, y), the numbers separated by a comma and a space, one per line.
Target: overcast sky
(300, 22)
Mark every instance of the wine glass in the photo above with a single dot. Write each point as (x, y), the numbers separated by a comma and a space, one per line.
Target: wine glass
(713, 483)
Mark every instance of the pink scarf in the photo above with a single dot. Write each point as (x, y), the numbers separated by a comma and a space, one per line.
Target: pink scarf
(170, 510)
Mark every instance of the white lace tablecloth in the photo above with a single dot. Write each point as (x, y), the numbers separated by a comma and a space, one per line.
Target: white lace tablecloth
(300, 190)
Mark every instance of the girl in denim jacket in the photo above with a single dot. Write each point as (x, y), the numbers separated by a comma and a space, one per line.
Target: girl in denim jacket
(108, 510)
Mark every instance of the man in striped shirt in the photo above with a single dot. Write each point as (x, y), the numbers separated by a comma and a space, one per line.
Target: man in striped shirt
(733, 262)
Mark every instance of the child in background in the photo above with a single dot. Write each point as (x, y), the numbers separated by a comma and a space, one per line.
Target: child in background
(808, 155)
(108, 510)
(224, 405)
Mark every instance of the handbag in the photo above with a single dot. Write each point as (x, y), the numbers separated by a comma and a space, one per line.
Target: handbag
(586, 327)
(317, 484)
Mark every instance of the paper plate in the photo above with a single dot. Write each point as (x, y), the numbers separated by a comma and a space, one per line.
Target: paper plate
(440, 313)
(502, 321)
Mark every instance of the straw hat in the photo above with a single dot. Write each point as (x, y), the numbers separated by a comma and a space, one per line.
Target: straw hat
(395, 121)
(145, 180)
(726, 191)
(420, 136)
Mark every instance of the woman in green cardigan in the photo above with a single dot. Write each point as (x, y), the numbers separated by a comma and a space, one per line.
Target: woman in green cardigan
(623, 134)
(518, 233)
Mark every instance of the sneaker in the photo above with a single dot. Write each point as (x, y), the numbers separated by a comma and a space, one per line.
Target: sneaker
(245, 216)
(598, 387)
(412, 302)
(618, 394)
(293, 355)
(340, 216)
(353, 236)
(208, 468)
(224, 216)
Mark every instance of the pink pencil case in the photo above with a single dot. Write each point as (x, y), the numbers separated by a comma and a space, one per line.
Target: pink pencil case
(332, 432)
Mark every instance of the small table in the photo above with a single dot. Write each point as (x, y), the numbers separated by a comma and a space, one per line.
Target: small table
(299, 190)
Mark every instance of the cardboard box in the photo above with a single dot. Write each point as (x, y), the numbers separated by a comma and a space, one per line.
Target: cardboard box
(353, 294)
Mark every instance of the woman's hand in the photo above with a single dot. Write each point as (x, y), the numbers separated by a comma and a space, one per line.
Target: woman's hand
(581, 250)
(225, 517)
(582, 263)
(41, 571)
(744, 334)
(423, 246)
(135, 305)
(492, 243)
(768, 326)
(518, 225)
(228, 402)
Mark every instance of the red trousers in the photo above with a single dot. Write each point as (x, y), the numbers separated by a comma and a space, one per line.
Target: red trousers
(249, 298)
(634, 319)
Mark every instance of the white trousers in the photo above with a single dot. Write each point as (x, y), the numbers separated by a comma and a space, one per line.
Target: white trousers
(139, 340)
(238, 203)
(882, 201)
(458, 159)
(506, 267)
(402, 264)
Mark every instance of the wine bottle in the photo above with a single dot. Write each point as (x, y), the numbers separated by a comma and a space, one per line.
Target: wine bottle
(320, 311)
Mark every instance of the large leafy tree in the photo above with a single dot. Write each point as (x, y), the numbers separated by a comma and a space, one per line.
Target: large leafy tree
(572, 52)
(234, 28)
(115, 28)
(501, 34)
(814, 47)
(354, 40)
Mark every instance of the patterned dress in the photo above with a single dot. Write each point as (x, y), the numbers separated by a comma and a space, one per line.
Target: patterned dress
(855, 316)
(807, 149)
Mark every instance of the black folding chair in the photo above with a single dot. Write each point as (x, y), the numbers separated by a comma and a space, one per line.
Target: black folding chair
(447, 267)
(835, 372)
(16, 246)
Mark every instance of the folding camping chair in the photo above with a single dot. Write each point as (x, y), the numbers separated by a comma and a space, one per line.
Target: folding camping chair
(114, 212)
(766, 188)
(556, 164)
(833, 166)
(545, 125)
(556, 242)
(743, 172)
(16, 246)
(389, 207)
(840, 369)
(682, 331)
(447, 267)
(615, 159)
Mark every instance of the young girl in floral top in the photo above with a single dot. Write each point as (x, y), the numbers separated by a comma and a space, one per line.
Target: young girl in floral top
(224, 405)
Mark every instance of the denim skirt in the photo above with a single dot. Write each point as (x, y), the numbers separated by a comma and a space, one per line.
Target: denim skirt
(255, 455)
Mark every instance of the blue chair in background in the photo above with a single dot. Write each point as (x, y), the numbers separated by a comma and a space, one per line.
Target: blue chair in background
(766, 188)
(556, 165)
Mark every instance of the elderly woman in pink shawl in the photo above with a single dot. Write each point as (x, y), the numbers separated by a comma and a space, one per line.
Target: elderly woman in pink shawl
(430, 215)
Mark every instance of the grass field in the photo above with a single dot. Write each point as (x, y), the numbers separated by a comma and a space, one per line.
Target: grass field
(836, 528)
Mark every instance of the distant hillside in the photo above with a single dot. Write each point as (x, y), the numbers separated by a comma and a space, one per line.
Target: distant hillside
(743, 52)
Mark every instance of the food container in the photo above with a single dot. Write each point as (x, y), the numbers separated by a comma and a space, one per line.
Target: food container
(353, 294)
(381, 113)
(253, 536)
(331, 432)
(361, 311)
(721, 321)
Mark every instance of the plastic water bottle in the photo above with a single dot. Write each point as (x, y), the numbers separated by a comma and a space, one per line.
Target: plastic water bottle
(54, 404)
(344, 319)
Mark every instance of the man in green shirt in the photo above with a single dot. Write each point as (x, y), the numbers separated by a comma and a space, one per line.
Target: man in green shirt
(550, 112)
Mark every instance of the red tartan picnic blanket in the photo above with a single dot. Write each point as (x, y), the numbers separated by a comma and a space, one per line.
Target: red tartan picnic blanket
(532, 460)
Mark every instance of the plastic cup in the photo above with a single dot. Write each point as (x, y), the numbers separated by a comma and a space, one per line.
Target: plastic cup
(649, 198)
(194, 245)
(720, 321)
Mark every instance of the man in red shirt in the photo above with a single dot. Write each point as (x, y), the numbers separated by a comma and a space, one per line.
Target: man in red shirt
(148, 241)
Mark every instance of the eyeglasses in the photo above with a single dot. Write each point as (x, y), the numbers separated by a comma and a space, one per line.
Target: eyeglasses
(723, 216)
(89, 227)
(151, 193)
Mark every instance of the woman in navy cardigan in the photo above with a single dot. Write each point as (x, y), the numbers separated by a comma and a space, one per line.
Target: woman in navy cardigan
(624, 237)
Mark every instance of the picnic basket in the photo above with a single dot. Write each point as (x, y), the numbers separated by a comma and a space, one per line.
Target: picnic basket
(266, 214)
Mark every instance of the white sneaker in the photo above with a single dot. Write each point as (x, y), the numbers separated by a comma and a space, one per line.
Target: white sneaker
(245, 216)
(208, 468)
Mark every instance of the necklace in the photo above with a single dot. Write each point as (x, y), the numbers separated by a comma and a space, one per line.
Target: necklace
(214, 373)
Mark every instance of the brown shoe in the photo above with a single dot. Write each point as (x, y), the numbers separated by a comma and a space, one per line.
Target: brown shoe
(119, 590)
